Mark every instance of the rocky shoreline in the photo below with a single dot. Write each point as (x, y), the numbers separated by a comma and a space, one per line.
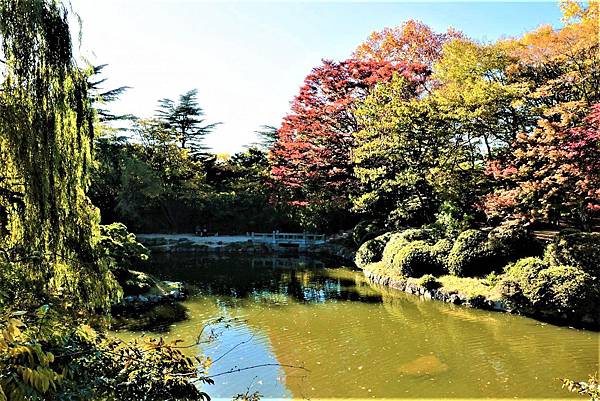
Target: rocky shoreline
(561, 318)
(185, 244)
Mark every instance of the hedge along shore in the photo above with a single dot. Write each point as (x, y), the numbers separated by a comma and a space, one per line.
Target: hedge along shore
(487, 302)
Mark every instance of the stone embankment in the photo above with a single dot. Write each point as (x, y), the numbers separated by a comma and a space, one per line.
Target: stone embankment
(182, 243)
(165, 292)
(480, 302)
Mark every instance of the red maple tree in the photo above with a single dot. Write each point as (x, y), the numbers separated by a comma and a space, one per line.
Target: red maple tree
(551, 174)
(311, 156)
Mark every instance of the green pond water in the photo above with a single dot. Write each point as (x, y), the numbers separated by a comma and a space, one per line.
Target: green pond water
(354, 339)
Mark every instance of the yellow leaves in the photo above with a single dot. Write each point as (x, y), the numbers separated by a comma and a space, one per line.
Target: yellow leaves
(12, 332)
(85, 332)
(41, 379)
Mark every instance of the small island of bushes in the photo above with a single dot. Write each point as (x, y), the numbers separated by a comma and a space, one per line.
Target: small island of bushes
(503, 268)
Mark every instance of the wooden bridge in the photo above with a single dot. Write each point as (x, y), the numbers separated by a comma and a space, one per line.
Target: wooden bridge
(288, 240)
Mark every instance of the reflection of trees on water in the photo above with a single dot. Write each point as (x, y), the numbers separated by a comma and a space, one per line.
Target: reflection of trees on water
(155, 318)
(302, 279)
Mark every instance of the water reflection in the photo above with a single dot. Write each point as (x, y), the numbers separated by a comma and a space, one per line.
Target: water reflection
(359, 340)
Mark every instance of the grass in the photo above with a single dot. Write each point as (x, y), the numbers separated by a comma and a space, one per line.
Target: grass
(470, 287)
(465, 286)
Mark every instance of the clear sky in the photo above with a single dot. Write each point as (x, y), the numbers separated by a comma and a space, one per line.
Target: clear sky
(248, 59)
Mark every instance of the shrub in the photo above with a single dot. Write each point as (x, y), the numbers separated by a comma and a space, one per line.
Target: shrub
(469, 254)
(415, 259)
(440, 252)
(398, 240)
(526, 270)
(365, 230)
(531, 281)
(371, 251)
(429, 282)
(511, 241)
(476, 254)
(576, 249)
(516, 283)
(121, 246)
(564, 287)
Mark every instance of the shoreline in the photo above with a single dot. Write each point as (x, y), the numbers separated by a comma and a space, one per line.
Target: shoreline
(182, 243)
(558, 318)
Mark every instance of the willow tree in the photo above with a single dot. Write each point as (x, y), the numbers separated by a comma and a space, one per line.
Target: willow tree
(48, 226)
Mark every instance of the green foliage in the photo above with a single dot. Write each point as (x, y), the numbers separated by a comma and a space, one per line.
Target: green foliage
(576, 249)
(407, 156)
(122, 246)
(564, 288)
(415, 259)
(440, 251)
(398, 240)
(365, 230)
(531, 281)
(47, 355)
(476, 253)
(526, 270)
(371, 251)
(183, 122)
(469, 254)
(49, 227)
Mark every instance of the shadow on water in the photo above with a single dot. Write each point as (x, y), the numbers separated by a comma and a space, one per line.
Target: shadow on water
(246, 277)
(153, 318)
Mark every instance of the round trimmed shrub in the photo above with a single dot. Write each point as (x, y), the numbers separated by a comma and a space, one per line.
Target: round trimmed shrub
(576, 249)
(511, 241)
(371, 251)
(469, 254)
(415, 259)
(526, 270)
(564, 287)
(393, 246)
(440, 252)
(399, 239)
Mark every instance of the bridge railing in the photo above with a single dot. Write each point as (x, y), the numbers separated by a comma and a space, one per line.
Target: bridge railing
(282, 237)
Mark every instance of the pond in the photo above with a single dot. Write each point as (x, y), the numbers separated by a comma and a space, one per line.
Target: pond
(353, 339)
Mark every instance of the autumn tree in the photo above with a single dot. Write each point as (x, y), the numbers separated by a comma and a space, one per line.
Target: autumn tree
(312, 154)
(549, 172)
(552, 174)
(474, 86)
(410, 42)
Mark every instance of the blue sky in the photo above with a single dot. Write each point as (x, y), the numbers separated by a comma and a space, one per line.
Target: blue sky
(248, 59)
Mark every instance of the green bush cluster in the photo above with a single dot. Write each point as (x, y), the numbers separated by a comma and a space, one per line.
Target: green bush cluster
(476, 253)
(578, 249)
(416, 259)
(398, 240)
(535, 282)
(365, 230)
(371, 251)
(469, 255)
(440, 251)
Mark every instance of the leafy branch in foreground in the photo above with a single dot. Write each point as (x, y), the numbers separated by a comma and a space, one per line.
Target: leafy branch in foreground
(591, 388)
